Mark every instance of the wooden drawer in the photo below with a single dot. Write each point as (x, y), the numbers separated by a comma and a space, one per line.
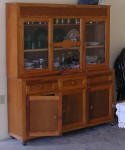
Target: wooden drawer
(73, 83)
(100, 79)
(41, 86)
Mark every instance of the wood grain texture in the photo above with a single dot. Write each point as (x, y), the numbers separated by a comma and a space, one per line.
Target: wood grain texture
(50, 102)
(12, 38)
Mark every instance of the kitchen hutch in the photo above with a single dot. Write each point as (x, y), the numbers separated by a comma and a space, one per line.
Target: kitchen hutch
(58, 68)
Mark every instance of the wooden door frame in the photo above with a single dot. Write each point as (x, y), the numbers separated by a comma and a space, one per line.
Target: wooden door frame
(57, 98)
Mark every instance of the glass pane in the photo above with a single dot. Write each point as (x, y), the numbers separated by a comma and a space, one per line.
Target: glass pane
(66, 37)
(66, 59)
(66, 29)
(95, 42)
(36, 45)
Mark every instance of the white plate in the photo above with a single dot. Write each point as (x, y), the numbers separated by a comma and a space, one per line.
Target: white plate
(92, 43)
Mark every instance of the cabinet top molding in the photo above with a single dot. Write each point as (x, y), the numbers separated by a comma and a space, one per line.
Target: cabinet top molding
(59, 5)
(52, 10)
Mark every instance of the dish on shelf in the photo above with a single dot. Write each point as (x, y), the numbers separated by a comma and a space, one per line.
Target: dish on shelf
(28, 65)
(92, 43)
(73, 35)
(91, 59)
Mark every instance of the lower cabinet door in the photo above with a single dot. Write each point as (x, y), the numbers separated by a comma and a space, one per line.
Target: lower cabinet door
(73, 109)
(45, 115)
(100, 103)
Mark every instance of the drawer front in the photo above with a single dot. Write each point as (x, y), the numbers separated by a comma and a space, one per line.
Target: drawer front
(39, 87)
(73, 83)
(100, 79)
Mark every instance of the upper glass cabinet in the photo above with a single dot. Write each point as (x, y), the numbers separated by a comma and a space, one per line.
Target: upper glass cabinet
(36, 45)
(66, 38)
(55, 44)
(95, 42)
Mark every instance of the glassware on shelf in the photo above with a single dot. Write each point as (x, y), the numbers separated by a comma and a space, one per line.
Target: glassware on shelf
(68, 21)
(36, 45)
(27, 40)
(41, 61)
(35, 35)
(57, 62)
(62, 21)
(66, 59)
(40, 38)
(77, 21)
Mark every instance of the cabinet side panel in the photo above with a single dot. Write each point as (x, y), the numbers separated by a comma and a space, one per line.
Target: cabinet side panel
(11, 34)
(16, 108)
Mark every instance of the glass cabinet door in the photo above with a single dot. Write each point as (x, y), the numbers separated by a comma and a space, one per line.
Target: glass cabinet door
(35, 45)
(66, 37)
(95, 42)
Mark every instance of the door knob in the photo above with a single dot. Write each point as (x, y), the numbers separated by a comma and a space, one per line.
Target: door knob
(91, 107)
(55, 117)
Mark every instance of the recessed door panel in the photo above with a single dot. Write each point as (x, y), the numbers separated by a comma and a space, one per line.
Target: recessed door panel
(45, 115)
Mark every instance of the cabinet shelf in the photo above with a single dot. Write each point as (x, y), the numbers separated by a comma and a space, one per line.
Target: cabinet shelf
(95, 46)
(45, 49)
(35, 50)
(72, 48)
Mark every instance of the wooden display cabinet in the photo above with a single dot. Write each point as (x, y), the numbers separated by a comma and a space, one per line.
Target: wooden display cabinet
(58, 68)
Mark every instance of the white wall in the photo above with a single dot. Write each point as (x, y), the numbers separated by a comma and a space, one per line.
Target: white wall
(117, 42)
(3, 104)
(117, 27)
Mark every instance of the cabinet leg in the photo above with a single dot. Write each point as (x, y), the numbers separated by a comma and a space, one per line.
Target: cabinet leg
(12, 137)
(114, 122)
(24, 143)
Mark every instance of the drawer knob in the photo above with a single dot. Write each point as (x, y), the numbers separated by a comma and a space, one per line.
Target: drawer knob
(91, 107)
(55, 117)
(73, 82)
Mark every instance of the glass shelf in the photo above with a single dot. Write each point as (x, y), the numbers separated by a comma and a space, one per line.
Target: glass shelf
(35, 50)
(96, 46)
(95, 42)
